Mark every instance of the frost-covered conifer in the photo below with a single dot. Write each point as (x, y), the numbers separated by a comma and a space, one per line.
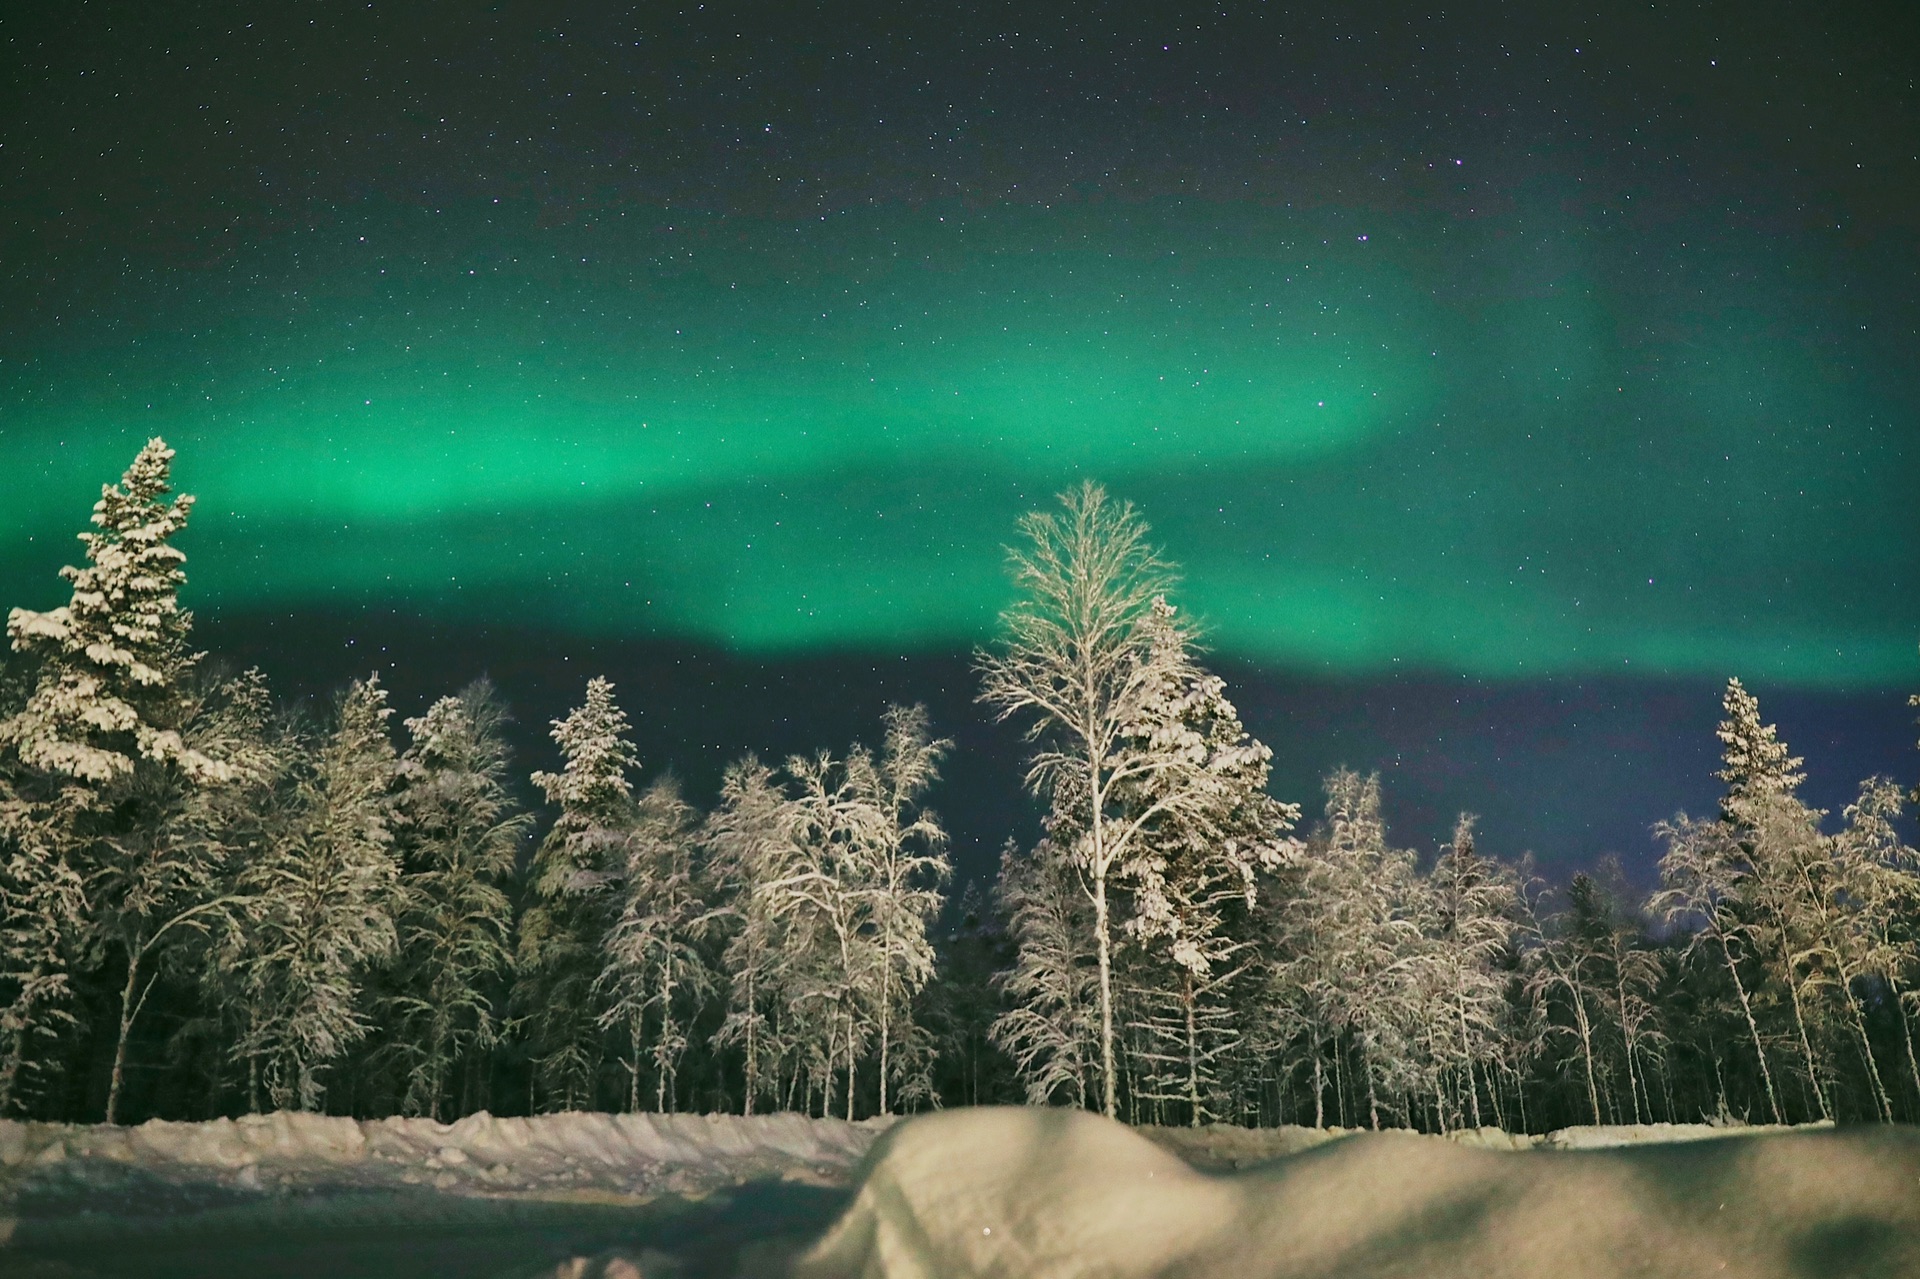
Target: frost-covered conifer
(42, 917)
(562, 931)
(321, 895)
(114, 660)
(1754, 761)
(654, 975)
(458, 834)
(1051, 1028)
(111, 746)
(1756, 883)
(1194, 878)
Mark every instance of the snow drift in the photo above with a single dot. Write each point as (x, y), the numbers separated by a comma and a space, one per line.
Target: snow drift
(1062, 1194)
(590, 1155)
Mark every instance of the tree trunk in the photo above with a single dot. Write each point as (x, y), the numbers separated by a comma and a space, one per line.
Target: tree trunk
(1753, 1027)
(753, 1025)
(633, 1070)
(1626, 1033)
(1883, 1103)
(1104, 949)
(886, 989)
(850, 1065)
(1193, 1059)
(129, 1009)
(1586, 1047)
(666, 1031)
(1466, 1055)
(1800, 1024)
(1906, 1032)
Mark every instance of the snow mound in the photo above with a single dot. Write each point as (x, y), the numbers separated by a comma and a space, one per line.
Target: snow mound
(1064, 1194)
(583, 1155)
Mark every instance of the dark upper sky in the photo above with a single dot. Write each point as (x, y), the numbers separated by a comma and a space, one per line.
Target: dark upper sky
(1504, 376)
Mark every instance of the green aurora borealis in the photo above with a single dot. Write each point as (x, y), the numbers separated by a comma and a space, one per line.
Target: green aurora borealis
(1500, 445)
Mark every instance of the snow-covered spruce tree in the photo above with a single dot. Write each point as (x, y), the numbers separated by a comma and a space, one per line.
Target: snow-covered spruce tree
(42, 911)
(747, 841)
(903, 851)
(561, 933)
(458, 835)
(1079, 657)
(1051, 1028)
(42, 916)
(1195, 874)
(1786, 855)
(654, 975)
(106, 745)
(321, 893)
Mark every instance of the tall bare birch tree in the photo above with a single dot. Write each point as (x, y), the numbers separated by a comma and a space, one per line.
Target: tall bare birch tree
(1078, 660)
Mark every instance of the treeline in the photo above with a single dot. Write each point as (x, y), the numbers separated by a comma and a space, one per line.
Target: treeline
(210, 904)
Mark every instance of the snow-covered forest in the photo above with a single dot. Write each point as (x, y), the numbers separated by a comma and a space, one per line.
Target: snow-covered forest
(212, 904)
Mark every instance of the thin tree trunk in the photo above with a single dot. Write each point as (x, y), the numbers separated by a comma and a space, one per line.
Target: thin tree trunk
(753, 1025)
(1319, 1086)
(1586, 1048)
(1466, 1055)
(129, 1009)
(1753, 1027)
(1800, 1024)
(884, 1034)
(1193, 1059)
(1626, 1033)
(850, 1065)
(1883, 1103)
(666, 1029)
(1906, 1031)
(633, 1070)
(1340, 1082)
(886, 986)
(1104, 949)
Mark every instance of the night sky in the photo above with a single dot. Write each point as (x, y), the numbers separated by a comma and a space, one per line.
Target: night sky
(1504, 377)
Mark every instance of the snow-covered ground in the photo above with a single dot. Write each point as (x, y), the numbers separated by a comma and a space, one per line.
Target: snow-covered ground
(1068, 1195)
(580, 1195)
